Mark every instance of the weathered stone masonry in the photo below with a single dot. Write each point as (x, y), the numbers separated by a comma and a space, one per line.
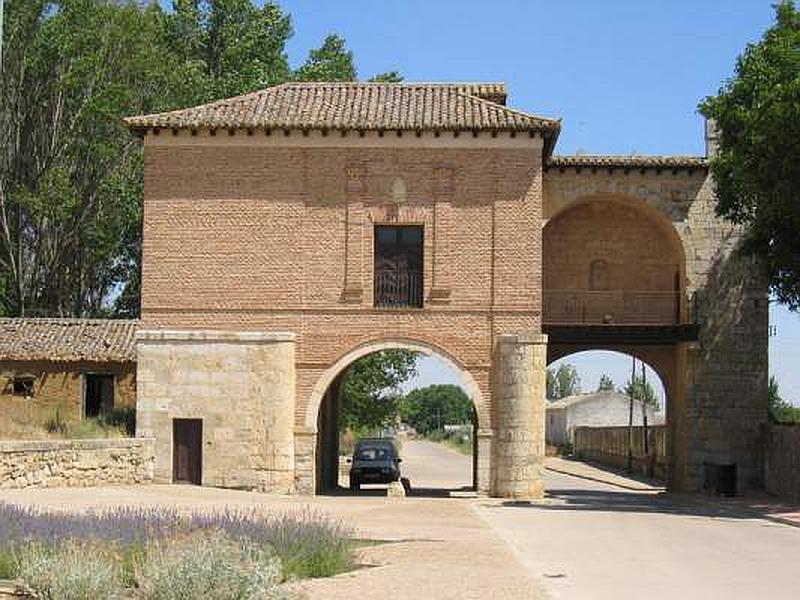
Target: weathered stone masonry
(75, 463)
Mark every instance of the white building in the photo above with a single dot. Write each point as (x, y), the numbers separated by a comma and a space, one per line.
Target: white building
(597, 409)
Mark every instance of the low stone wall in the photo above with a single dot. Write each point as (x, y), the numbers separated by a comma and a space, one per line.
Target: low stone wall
(782, 461)
(609, 446)
(75, 463)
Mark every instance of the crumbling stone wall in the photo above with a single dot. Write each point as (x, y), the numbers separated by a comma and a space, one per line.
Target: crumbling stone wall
(75, 463)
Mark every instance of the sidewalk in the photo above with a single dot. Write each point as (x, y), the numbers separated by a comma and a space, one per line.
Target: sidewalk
(758, 505)
(584, 470)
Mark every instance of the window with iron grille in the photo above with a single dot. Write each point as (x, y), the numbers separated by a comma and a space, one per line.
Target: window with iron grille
(398, 266)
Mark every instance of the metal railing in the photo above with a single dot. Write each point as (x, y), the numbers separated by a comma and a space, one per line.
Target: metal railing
(398, 289)
(610, 307)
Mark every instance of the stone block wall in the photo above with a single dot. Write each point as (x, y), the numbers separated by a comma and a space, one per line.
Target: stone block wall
(240, 384)
(782, 461)
(609, 446)
(75, 463)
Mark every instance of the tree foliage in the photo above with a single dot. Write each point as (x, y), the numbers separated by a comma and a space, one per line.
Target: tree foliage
(606, 384)
(562, 382)
(70, 174)
(330, 62)
(430, 408)
(781, 411)
(370, 389)
(642, 391)
(757, 167)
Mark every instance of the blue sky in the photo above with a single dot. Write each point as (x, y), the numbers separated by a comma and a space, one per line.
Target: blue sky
(626, 76)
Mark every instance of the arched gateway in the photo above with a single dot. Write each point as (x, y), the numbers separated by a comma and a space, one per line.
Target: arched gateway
(290, 230)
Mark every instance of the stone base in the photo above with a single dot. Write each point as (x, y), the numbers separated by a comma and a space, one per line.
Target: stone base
(241, 385)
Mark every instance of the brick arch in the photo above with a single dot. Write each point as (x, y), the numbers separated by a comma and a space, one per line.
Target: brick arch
(344, 361)
(637, 246)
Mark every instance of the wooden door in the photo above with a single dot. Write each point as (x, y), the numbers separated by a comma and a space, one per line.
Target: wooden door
(187, 451)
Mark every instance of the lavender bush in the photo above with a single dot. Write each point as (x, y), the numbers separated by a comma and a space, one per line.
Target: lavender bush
(308, 544)
(64, 571)
(207, 564)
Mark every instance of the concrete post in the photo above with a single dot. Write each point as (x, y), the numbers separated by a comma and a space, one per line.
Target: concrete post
(519, 395)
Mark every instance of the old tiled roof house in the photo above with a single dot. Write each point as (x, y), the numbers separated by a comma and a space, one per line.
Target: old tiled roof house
(72, 368)
(290, 231)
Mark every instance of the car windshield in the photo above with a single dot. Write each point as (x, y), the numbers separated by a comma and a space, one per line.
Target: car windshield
(374, 453)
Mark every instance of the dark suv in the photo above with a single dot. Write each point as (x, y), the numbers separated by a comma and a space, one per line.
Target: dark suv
(374, 461)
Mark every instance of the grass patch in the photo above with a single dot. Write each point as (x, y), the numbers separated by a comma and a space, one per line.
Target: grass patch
(459, 441)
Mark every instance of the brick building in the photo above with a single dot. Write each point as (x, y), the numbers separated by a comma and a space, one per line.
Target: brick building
(75, 368)
(291, 231)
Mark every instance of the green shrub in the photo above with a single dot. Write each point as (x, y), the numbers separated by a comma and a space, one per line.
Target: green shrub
(122, 418)
(56, 424)
(70, 570)
(7, 568)
(207, 564)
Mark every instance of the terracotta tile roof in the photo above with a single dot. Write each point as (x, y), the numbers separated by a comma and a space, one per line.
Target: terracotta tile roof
(358, 106)
(67, 340)
(627, 162)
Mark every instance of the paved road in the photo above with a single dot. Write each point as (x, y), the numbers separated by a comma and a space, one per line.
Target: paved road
(431, 466)
(593, 541)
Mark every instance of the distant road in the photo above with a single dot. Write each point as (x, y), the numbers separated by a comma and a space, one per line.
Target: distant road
(432, 465)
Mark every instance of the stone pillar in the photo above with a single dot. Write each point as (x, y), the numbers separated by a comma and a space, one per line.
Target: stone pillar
(305, 444)
(519, 398)
(240, 384)
(483, 461)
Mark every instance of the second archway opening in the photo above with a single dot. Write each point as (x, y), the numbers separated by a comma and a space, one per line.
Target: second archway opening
(400, 416)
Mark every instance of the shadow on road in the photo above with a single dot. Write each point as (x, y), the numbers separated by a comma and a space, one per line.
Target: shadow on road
(415, 492)
(634, 502)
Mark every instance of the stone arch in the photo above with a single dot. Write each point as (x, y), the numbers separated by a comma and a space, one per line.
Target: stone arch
(344, 361)
(612, 243)
(664, 361)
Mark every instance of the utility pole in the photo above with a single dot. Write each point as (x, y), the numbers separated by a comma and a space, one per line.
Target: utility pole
(2, 2)
(644, 411)
(630, 415)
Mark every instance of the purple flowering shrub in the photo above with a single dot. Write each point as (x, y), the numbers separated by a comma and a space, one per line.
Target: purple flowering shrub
(308, 543)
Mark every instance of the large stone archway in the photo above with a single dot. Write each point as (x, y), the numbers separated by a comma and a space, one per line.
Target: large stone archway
(319, 431)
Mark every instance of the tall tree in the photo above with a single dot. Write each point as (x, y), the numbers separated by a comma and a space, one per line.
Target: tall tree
(330, 62)
(227, 47)
(430, 408)
(370, 389)
(70, 175)
(562, 382)
(757, 167)
(642, 391)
